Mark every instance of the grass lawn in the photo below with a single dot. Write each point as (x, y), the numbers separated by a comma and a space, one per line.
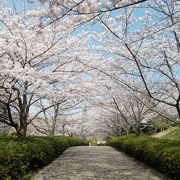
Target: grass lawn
(171, 133)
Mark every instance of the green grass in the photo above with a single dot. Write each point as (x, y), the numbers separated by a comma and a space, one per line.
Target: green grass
(171, 133)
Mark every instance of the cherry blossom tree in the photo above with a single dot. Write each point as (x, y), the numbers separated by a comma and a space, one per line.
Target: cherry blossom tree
(82, 125)
(37, 63)
(54, 120)
(43, 59)
(85, 11)
(124, 110)
(143, 51)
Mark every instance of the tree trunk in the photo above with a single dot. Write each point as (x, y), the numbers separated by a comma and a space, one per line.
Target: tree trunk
(63, 129)
(51, 133)
(178, 110)
(23, 115)
(121, 131)
(138, 131)
(22, 132)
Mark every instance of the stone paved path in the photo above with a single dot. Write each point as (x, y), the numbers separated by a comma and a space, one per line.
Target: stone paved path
(96, 163)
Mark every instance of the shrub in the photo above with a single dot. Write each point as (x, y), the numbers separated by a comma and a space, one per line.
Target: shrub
(20, 157)
(162, 154)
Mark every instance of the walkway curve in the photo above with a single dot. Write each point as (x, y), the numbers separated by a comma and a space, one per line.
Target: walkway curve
(96, 163)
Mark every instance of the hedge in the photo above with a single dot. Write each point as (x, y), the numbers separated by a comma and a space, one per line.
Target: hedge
(161, 154)
(17, 158)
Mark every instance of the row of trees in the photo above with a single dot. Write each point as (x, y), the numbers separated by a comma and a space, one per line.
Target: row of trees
(140, 56)
(39, 66)
(128, 65)
(145, 61)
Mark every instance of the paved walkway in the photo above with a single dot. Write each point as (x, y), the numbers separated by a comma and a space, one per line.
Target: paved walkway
(96, 163)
